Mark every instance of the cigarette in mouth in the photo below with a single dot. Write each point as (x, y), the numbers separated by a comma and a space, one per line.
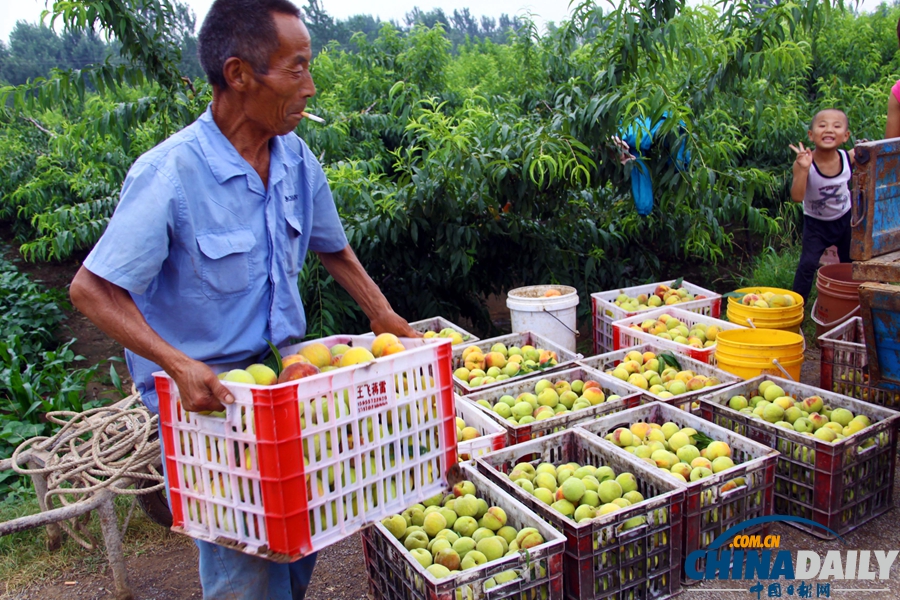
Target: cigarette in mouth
(313, 117)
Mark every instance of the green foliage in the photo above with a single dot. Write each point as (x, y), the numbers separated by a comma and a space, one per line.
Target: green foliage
(773, 268)
(462, 167)
(36, 376)
(329, 308)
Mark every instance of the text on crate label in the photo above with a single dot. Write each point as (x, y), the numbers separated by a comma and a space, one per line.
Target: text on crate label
(372, 396)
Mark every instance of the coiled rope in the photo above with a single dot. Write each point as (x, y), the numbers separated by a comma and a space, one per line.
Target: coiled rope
(93, 450)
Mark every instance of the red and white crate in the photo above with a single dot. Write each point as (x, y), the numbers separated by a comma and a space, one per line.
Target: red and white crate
(395, 575)
(604, 558)
(564, 357)
(624, 336)
(493, 436)
(840, 485)
(436, 324)
(845, 365)
(270, 480)
(607, 361)
(516, 434)
(605, 311)
(711, 505)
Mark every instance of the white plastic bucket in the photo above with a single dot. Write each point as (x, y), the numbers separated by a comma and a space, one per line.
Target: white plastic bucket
(552, 317)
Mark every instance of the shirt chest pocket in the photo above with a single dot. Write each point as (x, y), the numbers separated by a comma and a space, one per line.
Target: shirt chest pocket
(225, 266)
(292, 249)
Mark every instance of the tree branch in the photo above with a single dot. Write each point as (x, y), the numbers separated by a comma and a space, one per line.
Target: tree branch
(39, 126)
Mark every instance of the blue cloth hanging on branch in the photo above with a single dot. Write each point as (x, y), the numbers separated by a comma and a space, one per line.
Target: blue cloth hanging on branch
(641, 183)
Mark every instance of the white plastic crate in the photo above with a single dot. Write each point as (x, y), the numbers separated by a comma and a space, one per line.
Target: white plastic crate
(516, 434)
(267, 480)
(565, 358)
(624, 336)
(604, 310)
(493, 436)
(610, 360)
(436, 324)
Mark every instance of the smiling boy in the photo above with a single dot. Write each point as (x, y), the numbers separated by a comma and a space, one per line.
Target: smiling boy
(820, 181)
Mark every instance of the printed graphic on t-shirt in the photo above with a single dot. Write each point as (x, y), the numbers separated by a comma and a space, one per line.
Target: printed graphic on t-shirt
(828, 195)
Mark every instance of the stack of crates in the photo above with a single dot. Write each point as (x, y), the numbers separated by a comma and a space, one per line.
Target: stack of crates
(605, 311)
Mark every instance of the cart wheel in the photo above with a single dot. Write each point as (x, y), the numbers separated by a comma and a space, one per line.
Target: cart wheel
(155, 505)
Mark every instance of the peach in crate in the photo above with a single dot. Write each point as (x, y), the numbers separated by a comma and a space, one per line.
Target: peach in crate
(297, 466)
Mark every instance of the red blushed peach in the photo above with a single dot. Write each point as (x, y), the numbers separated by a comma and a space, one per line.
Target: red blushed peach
(297, 370)
(393, 349)
(593, 395)
(292, 359)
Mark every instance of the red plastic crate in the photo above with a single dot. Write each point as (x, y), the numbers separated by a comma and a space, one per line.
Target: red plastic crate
(839, 485)
(244, 481)
(845, 366)
(610, 360)
(604, 311)
(395, 575)
(601, 560)
(624, 336)
(708, 510)
(520, 433)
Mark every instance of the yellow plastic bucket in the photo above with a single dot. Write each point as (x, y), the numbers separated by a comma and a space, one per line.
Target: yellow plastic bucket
(751, 352)
(747, 370)
(756, 361)
(789, 318)
(760, 343)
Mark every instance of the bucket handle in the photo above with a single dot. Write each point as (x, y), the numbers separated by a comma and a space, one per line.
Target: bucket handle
(782, 369)
(753, 326)
(834, 323)
(574, 331)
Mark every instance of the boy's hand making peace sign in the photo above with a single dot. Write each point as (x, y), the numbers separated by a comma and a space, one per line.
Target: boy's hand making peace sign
(804, 156)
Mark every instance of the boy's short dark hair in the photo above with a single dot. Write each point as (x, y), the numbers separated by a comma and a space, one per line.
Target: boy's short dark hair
(816, 116)
(241, 28)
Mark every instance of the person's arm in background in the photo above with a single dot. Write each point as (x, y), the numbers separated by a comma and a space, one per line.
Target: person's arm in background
(892, 130)
(801, 172)
(112, 309)
(346, 269)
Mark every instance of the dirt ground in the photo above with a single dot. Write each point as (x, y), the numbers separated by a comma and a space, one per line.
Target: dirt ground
(170, 572)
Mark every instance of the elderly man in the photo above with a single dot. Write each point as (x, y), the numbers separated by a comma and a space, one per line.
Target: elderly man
(199, 264)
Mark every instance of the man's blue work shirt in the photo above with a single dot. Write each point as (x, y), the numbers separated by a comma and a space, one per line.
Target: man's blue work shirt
(209, 255)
